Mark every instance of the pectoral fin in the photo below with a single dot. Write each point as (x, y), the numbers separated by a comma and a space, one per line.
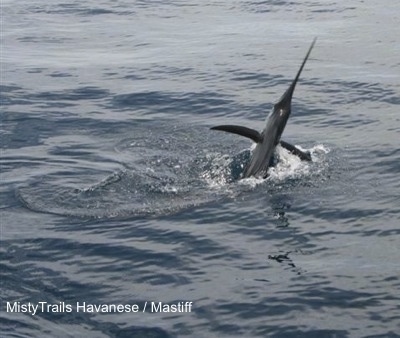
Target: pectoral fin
(304, 156)
(240, 130)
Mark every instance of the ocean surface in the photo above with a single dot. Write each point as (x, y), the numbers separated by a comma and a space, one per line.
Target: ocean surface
(114, 190)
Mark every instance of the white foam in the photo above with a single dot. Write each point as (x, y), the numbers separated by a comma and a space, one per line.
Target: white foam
(170, 189)
(320, 148)
(251, 182)
(288, 166)
(217, 175)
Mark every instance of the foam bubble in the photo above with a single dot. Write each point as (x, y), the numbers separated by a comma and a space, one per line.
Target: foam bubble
(287, 166)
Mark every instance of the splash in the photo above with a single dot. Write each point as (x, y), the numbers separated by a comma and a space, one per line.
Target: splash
(288, 166)
(159, 177)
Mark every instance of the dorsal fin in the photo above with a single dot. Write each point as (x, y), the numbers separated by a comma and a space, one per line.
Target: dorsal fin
(240, 130)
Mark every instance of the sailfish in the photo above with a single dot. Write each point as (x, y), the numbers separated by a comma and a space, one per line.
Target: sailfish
(262, 156)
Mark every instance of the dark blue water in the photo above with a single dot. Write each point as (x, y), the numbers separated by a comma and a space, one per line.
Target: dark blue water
(115, 191)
